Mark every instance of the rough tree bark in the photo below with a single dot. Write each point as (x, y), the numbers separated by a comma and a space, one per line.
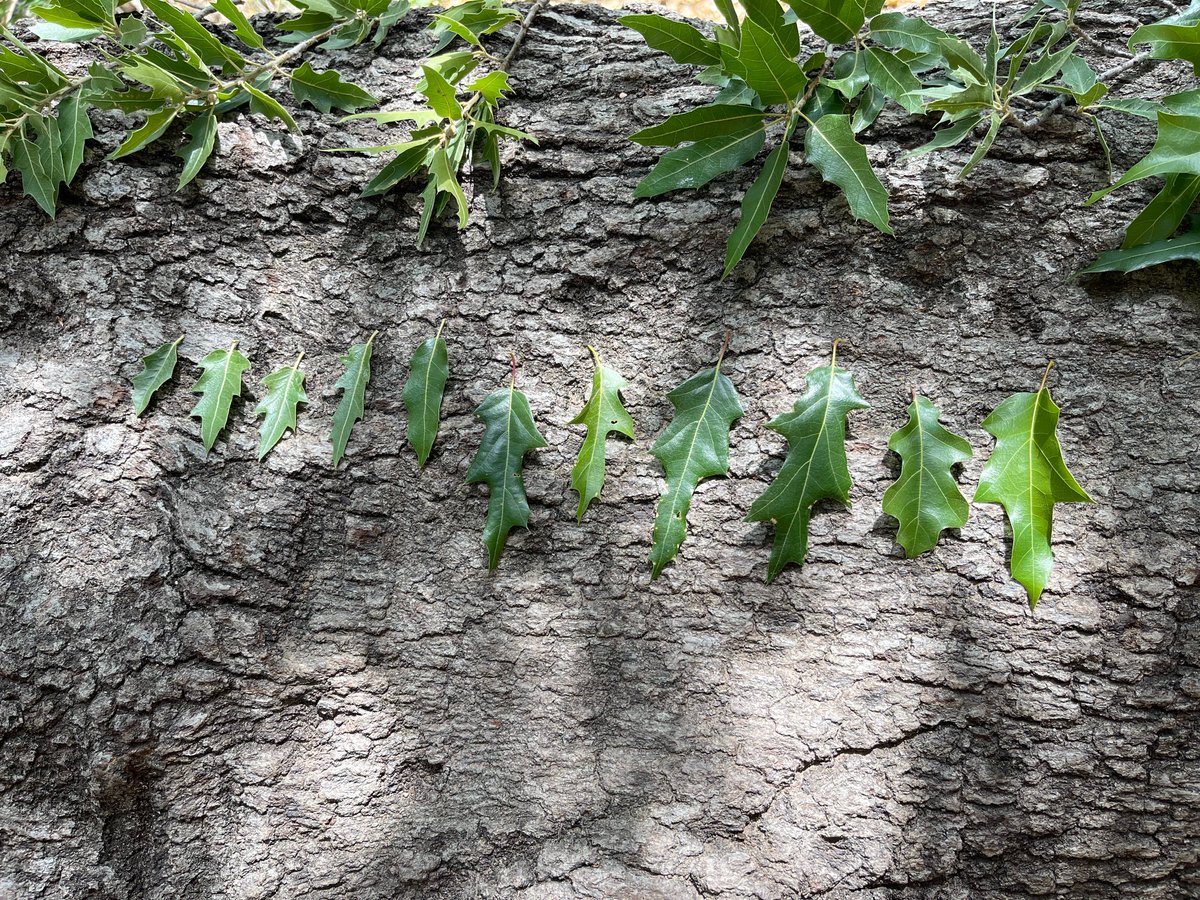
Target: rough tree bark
(220, 678)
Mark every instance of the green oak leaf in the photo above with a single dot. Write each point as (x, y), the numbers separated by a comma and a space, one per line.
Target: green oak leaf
(602, 413)
(764, 65)
(1026, 474)
(702, 122)
(925, 499)
(1186, 246)
(815, 467)
(157, 368)
(353, 384)
(423, 391)
(1161, 216)
(678, 40)
(694, 165)
(326, 90)
(1177, 150)
(695, 445)
(1168, 41)
(202, 136)
(285, 391)
(837, 21)
(756, 204)
(509, 433)
(217, 386)
(830, 146)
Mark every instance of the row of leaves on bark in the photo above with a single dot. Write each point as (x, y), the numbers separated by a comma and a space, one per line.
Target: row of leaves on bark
(1025, 473)
(168, 67)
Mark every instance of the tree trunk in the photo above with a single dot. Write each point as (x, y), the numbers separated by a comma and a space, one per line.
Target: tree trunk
(232, 679)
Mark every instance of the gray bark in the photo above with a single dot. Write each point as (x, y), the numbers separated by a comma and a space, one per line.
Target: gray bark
(221, 678)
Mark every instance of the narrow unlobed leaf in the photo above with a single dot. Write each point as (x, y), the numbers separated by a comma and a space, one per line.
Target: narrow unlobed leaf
(925, 499)
(217, 386)
(680, 41)
(1143, 256)
(603, 413)
(702, 122)
(423, 391)
(353, 385)
(697, 164)
(694, 446)
(241, 25)
(815, 467)
(157, 368)
(830, 146)
(756, 205)
(285, 392)
(1026, 474)
(149, 131)
(509, 433)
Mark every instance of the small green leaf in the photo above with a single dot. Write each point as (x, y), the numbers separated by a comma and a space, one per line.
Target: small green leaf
(285, 391)
(925, 499)
(815, 467)
(841, 160)
(353, 385)
(326, 90)
(697, 164)
(699, 123)
(984, 146)
(157, 368)
(268, 107)
(756, 205)
(1186, 246)
(440, 94)
(950, 136)
(603, 413)
(1026, 474)
(220, 383)
(680, 41)
(241, 25)
(202, 135)
(491, 86)
(150, 130)
(428, 371)
(509, 433)
(694, 446)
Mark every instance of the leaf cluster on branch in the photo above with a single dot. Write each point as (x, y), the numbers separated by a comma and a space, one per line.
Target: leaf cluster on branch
(1026, 472)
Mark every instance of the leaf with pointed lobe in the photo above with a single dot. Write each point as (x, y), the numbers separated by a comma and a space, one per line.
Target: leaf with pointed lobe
(815, 467)
(285, 392)
(603, 413)
(157, 368)
(218, 385)
(925, 499)
(509, 433)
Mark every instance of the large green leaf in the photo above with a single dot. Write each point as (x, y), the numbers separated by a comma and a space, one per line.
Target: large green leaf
(1170, 42)
(196, 36)
(217, 386)
(925, 499)
(603, 413)
(157, 368)
(699, 123)
(695, 445)
(326, 90)
(769, 15)
(893, 77)
(427, 374)
(837, 21)
(1162, 215)
(900, 32)
(1143, 256)
(353, 385)
(680, 41)
(699, 163)
(830, 146)
(509, 433)
(815, 467)
(764, 65)
(285, 391)
(1026, 474)
(756, 205)
(1177, 150)
(202, 136)
(440, 94)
